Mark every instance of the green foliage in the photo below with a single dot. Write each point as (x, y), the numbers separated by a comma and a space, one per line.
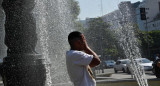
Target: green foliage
(79, 26)
(155, 39)
(101, 38)
(75, 9)
(149, 39)
(111, 51)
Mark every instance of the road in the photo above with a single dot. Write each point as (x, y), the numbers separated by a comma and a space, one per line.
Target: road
(110, 75)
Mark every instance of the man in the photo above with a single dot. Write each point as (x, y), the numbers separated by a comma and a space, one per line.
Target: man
(157, 56)
(156, 66)
(79, 60)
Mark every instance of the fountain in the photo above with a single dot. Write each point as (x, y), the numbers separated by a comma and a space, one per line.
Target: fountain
(54, 23)
(42, 26)
(22, 66)
(2, 45)
(33, 26)
(128, 41)
(126, 38)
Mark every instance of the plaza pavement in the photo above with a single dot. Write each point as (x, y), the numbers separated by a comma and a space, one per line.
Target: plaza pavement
(109, 75)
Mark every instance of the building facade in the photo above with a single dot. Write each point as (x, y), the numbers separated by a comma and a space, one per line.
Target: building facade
(152, 8)
(126, 13)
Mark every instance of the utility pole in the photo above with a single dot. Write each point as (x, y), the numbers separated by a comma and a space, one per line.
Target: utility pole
(143, 17)
(102, 54)
(148, 50)
(102, 7)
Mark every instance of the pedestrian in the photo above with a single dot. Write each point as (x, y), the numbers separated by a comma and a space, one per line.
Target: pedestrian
(157, 56)
(79, 59)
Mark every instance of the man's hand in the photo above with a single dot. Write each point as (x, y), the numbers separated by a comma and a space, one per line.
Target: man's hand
(95, 61)
(84, 44)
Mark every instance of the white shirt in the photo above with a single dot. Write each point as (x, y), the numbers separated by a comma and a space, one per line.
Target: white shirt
(157, 57)
(77, 66)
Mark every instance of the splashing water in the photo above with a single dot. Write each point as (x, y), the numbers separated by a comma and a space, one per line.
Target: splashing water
(54, 22)
(128, 41)
(43, 37)
(3, 48)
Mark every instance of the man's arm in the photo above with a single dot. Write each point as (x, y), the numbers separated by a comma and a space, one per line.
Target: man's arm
(95, 61)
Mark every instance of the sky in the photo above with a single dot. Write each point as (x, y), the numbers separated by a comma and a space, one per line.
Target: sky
(92, 8)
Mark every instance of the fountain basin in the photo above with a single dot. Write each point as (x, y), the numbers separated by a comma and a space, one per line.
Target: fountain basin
(104, 75)
(23, 70)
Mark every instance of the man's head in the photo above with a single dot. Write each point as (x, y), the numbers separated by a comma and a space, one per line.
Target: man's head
(75, 40)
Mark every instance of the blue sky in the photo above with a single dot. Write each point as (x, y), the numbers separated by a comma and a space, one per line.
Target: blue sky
(92, 8)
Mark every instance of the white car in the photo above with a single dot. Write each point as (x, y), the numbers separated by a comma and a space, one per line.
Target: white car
(143, 62)
(121, 65)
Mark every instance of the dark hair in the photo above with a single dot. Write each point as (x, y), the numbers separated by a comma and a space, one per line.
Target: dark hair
(74, 36)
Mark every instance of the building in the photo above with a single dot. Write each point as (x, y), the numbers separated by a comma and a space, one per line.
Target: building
(125, 13)
(152, 13)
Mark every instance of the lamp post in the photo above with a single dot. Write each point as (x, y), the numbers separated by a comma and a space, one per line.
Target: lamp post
(144, 17)
(22, 66)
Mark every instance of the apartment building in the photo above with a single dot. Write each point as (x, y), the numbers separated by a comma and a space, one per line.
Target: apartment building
(152, 8)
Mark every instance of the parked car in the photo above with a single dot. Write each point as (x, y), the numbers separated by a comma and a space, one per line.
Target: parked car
(144, 62)
(121, 65)
(109, 63)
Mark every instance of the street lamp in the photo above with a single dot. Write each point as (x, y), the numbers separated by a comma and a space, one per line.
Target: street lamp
(143, 17)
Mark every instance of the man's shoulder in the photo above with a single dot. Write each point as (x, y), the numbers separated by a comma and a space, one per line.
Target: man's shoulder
(74, 52)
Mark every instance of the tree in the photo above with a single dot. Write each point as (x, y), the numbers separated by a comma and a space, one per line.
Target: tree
(101, 38)
(155, 36)
(154, 42)
(75, 9)
(149, 39)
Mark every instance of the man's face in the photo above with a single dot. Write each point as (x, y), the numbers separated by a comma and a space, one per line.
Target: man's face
(79, 44)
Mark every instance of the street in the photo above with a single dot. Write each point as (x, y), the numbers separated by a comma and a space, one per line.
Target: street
(111, 76)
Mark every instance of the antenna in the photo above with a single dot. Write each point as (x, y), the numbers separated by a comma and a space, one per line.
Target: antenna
(102, 7)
